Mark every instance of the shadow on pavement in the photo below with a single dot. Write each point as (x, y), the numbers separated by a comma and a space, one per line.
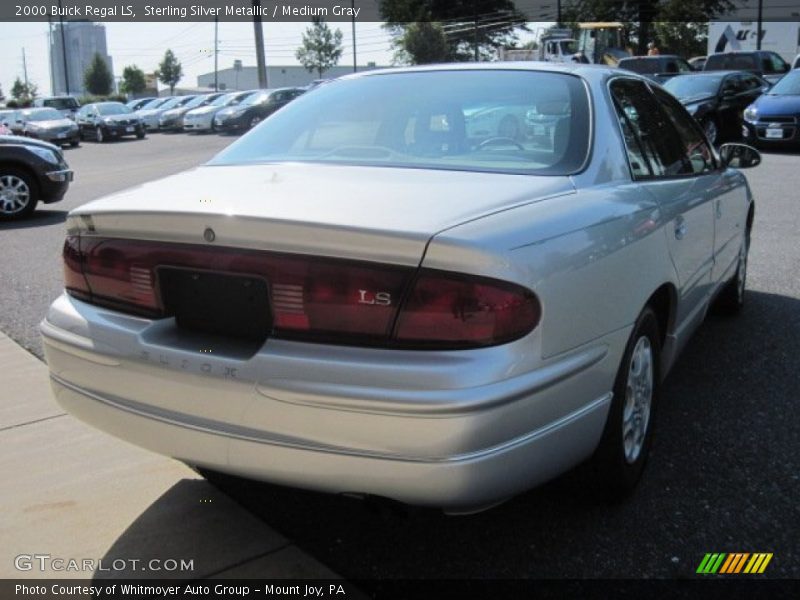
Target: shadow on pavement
(722, 475)
(192, 522)
(39, 218)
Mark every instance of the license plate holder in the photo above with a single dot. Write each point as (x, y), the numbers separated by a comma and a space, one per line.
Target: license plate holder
(129, 129)
(774, 133)
(223, 304)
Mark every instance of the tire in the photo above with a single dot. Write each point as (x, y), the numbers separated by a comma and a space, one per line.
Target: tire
(731, 299)
(19, 194)
(711, 127)
(620, 457)
(75, 143)
(140, 135)
(99, 136)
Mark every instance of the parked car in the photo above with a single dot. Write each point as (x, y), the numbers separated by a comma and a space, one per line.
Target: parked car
(104, 121)
(172, 120)
(254, 109)
(659, 68)
(774, 118)
(30, 171)
(151, 113)
(49, 125)
(138, 103)
(763, 63)
(717, 99)
(697, 62)
(13, 120)
(370, 302)
(202, 119)
(67, 105)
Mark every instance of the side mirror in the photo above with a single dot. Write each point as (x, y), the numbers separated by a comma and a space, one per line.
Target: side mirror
(739, 156)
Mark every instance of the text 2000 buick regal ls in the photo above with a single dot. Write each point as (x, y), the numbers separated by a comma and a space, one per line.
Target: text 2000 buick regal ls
(377, 292)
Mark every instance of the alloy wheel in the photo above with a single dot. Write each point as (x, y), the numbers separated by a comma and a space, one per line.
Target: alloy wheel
(15, 194)
(638, 399)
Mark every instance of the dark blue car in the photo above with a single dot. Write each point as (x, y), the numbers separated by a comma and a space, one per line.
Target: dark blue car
(774, 118)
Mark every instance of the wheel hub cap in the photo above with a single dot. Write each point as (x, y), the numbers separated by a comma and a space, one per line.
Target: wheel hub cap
(638, 399)
(14, 194)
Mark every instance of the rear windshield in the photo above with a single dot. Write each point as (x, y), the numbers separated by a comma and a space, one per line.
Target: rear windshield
(478, 120)
(641, 65)
(60, 103)
(733, 62)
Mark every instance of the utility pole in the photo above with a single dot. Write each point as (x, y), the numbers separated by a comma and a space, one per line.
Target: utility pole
(50, 54)
(216, 52)
(558, 14)
(24, 67)
(760, 22)
(353, 6)
(63, 48)
(259, 34)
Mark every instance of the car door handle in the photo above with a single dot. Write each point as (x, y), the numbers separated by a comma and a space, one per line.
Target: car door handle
(680, 228)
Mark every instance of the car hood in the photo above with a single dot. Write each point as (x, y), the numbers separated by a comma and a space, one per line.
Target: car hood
(118, 118)
(53, 124)
(229, 110)
(768, 105)
(18, 140)
(369, 213)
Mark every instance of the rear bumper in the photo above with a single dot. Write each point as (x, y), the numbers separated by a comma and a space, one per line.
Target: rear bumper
(451, 431)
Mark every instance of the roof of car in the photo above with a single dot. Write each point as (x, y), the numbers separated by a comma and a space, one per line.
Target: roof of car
(659, 57)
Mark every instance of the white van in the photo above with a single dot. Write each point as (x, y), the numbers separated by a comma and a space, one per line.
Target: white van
(66, 105)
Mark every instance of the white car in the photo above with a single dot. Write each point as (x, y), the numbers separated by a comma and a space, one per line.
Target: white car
(358, 297)
(202, 119)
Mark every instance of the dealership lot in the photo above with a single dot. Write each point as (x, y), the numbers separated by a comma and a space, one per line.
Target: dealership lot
(723, 476)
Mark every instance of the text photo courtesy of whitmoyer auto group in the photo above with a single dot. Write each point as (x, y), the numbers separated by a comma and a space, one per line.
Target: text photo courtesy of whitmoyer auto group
(399, 299)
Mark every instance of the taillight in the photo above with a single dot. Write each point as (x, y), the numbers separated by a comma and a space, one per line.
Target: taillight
(315, 299)
(453, 310)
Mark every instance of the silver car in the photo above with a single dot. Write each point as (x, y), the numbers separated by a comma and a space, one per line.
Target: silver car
(358, 297)
(202, 119)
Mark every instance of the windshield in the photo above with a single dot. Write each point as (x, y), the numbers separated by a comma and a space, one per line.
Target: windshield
(112, 108)
(44, 114)
(183, 101)
(196, 101)
(256, 98)
(173, 102)
(60, 103)
(789, 85)
(154, 103)
(693, 86)
(568, 47)
(477, 120)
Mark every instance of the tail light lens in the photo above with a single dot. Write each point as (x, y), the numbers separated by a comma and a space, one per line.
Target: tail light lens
(314, 298)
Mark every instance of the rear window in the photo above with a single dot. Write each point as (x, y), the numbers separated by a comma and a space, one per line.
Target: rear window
(641, 65)
(733, 62)
(60, 103)
(479, 120)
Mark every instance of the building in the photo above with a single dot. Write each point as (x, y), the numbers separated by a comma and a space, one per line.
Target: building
(82, 39)
(246, 78)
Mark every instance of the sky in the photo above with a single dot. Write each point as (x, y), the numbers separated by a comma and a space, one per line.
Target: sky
(144, 44)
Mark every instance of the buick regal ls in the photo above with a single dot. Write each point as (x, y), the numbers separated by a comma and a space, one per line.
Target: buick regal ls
(359, 297)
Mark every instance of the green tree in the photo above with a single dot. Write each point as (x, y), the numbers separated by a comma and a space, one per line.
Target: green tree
(684, 39)
(169, 71)
(474, 29)
(321, 49)
(23, 93)
(98, 79)
(133, 81)
(422, 43)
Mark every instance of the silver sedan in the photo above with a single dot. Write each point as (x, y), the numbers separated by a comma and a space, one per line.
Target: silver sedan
(363, 295)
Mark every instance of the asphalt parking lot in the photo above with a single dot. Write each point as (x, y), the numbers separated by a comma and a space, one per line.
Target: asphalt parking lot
(724, 474)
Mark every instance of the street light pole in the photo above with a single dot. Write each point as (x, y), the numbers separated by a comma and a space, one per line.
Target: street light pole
(216, 52)
(760, 22)
(63, 47)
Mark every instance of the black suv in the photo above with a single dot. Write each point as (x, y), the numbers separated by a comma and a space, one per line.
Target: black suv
(30, 170)
(658, 68)
(763, 63)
